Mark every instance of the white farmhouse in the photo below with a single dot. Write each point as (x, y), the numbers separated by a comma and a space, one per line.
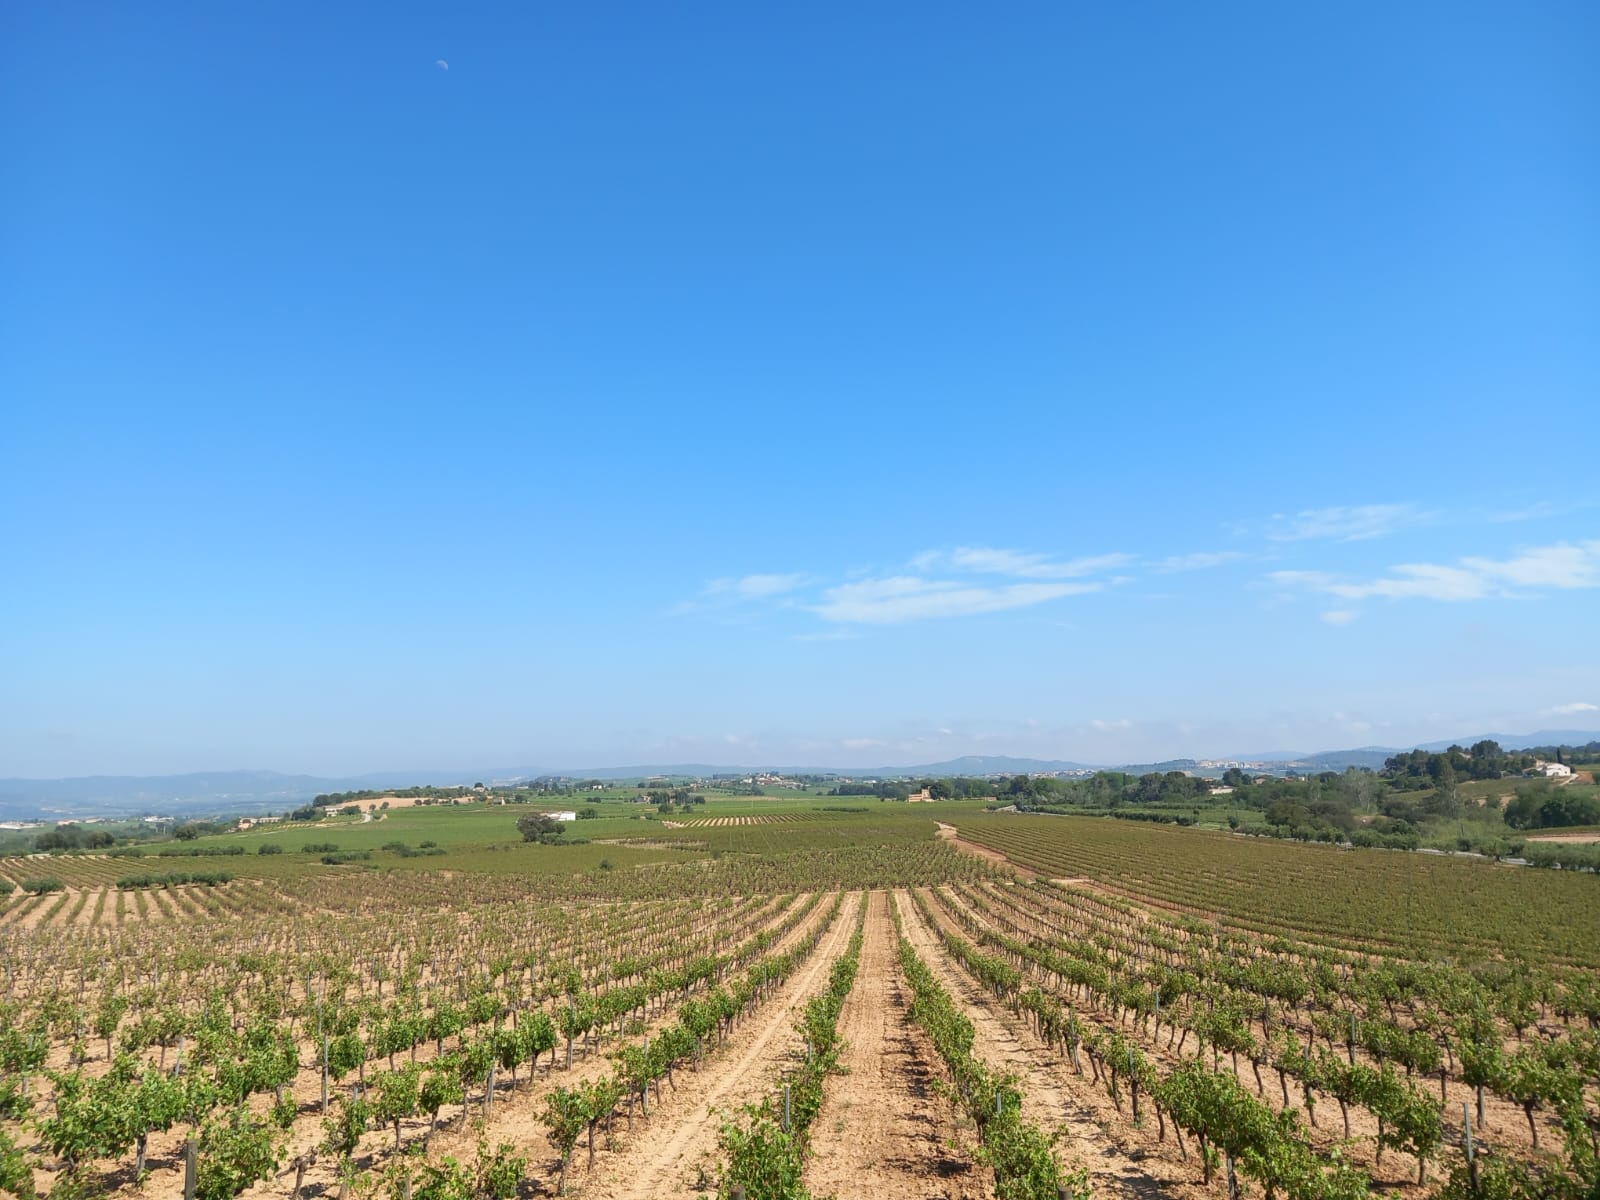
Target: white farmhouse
(1552, 770)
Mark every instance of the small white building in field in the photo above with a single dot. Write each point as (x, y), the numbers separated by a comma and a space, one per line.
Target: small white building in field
(566, 815)
(1552, 770)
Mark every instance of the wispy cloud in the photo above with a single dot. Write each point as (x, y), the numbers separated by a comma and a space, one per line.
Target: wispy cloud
(1572, 710)
(989, 560)
(1339, 616)
(914, 598)
(1563, 566)
(755, 587)
(1344, 523)
(1104, 726)
(1202, 561)
(941, 583)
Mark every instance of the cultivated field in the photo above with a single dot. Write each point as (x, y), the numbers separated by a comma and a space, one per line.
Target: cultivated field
(794, 1000)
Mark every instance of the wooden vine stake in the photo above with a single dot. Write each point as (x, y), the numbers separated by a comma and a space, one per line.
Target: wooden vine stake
(1133, 1085)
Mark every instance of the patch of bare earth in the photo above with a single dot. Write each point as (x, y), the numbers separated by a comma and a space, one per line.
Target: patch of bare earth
(953, 835)
(883, 1131)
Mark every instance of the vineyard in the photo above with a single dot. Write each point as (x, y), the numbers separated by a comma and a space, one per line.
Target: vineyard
(838, 1003)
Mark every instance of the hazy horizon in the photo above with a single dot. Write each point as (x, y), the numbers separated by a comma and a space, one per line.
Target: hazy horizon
(389, 387)
(845, 760)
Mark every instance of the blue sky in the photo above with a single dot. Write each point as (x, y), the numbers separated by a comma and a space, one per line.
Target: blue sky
(393, 386)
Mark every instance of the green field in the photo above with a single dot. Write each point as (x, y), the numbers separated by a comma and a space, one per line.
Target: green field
(787, 837)
(1410, 903)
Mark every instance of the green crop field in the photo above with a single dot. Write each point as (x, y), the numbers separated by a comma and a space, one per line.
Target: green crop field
(1409, 903)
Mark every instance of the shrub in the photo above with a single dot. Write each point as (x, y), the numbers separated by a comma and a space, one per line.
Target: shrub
(269, 848)
(38, 887)
(173, 879)
(320, 848)
(200, 851)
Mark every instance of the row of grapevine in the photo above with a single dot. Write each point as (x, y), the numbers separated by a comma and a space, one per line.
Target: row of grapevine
(1088, 970)
(766, 1145)
(1023, 1157)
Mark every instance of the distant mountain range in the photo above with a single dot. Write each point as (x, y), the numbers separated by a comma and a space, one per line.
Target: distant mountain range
(223, 792)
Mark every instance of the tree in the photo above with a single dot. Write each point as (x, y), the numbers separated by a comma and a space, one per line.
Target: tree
(1524, 810)
(1568, 806)
(541, 828)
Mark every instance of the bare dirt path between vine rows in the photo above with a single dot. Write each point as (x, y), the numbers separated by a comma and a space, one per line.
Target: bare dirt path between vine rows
(668, 1153)
(1121, 1159)
(883, 1131)
(953, 835)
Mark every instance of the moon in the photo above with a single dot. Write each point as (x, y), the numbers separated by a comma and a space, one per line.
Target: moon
(441, 64)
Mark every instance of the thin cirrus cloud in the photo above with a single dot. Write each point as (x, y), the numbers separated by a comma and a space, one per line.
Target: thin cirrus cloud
(1572, 710)
(913, 598)
(940, 584)
(1202, 561)
(1344, 523)
(1560, 567)
(755, 587)
(988, 560)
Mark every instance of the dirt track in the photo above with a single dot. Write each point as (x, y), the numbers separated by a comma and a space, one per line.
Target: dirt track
(953, 835)
(883, 1132)
(675, 1152)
